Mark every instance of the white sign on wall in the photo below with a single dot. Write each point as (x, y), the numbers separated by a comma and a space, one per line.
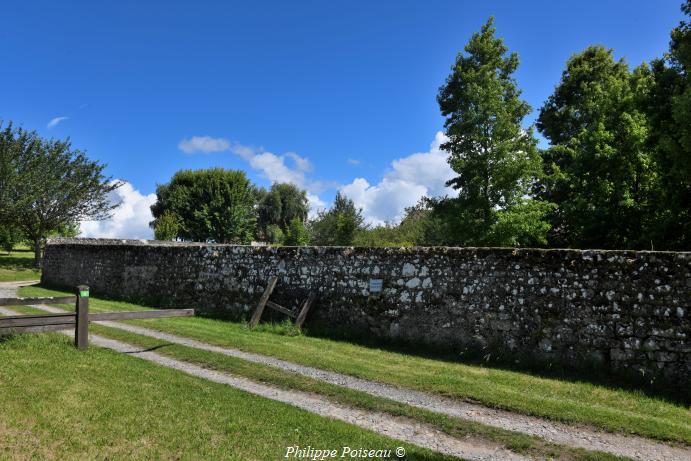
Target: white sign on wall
(375, 285)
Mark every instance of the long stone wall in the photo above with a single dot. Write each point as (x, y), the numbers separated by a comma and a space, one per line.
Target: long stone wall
(622, 310)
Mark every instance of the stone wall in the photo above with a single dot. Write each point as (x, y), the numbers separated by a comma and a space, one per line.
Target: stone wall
(623, 310)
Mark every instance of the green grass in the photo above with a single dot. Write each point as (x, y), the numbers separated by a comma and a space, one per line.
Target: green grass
(18, 265)
(612, 409)
(58, 403)
(533, 447)
(520, 443)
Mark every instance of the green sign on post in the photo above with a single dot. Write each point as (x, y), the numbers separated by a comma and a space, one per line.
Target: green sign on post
(84, 293)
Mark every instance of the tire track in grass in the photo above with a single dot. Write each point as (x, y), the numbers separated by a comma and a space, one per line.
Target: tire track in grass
(399, 428)
(579, 437)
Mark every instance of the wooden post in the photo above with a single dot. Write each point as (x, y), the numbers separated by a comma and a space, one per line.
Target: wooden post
(262, 302)
(81, 329)
(303, 313)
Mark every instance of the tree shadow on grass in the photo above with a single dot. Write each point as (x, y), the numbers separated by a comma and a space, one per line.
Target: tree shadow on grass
(491, 358)
(496, 358)
(17, 260)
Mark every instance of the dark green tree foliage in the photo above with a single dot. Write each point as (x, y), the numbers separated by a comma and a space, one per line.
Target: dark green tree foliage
(296, 234)
(47, 187)
(598, 168)
(495, 158)
(213, 205)
(415, 229)
(10, 236)
(274, 234)
(668, 107)
(339, 225)
(167, 226)
(280, 206)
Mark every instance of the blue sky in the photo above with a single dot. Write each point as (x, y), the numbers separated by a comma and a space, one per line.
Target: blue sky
(328, 94)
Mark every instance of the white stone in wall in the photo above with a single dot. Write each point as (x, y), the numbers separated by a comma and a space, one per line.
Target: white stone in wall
(413, 283)
(408, 270)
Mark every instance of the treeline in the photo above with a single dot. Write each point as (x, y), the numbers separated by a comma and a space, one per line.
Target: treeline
(223, 206)
(617, 173)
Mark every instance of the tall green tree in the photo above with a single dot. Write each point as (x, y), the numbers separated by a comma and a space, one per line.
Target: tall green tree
(598, 169)
(47, 187)
(215, 205)
(339, 225)
(496, 159)
(668, 106)
(282, 204)
(296, 234)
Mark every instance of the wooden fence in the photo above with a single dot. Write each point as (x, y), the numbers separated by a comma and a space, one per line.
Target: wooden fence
(79, 320)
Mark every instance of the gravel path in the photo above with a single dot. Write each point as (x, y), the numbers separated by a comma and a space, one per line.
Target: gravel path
(618, 444)
(398, 428)
(395, 427)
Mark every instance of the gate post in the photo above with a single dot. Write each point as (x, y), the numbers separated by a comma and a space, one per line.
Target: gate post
(81, 328)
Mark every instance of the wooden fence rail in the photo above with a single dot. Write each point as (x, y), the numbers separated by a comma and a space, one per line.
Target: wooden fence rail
(79, 320)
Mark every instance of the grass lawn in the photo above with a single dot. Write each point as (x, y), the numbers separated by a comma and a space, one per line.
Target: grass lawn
(58, 403)
(18, 265)
(533, 447)
(570, 401)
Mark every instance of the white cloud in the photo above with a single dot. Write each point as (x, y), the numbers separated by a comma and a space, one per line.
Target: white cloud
(301, 163)
(411, 177)
(130, 220)
(55, 121)
(286, 168)
(204, 144)
(316, 205)
(289, 167)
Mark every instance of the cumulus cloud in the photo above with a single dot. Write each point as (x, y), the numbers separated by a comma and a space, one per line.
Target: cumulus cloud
(316, 205)
(130, 220)
(204, 144)
(289, 167)
(409, 179)
(55, 121)
(286, 168)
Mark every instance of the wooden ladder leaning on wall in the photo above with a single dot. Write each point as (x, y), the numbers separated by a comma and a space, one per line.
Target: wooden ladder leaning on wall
(264, 301)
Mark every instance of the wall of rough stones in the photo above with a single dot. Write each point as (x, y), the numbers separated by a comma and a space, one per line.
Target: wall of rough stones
(624, 310)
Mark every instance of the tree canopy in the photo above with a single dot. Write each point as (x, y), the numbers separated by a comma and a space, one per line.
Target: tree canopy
(213, 205)
(616, 173)
(47, 186)
(598, 170)
(496, 159)
(668, 107)
(280, 206)
(339, 225)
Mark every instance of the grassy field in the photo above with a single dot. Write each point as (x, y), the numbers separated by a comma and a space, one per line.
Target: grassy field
(18, 265)
(58, 403)
(520, 443)
(569, 401)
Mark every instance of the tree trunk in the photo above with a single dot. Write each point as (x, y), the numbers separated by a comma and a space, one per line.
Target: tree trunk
(38, 257)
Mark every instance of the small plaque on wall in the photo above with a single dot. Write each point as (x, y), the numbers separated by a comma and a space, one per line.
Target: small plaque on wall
(375, 285)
